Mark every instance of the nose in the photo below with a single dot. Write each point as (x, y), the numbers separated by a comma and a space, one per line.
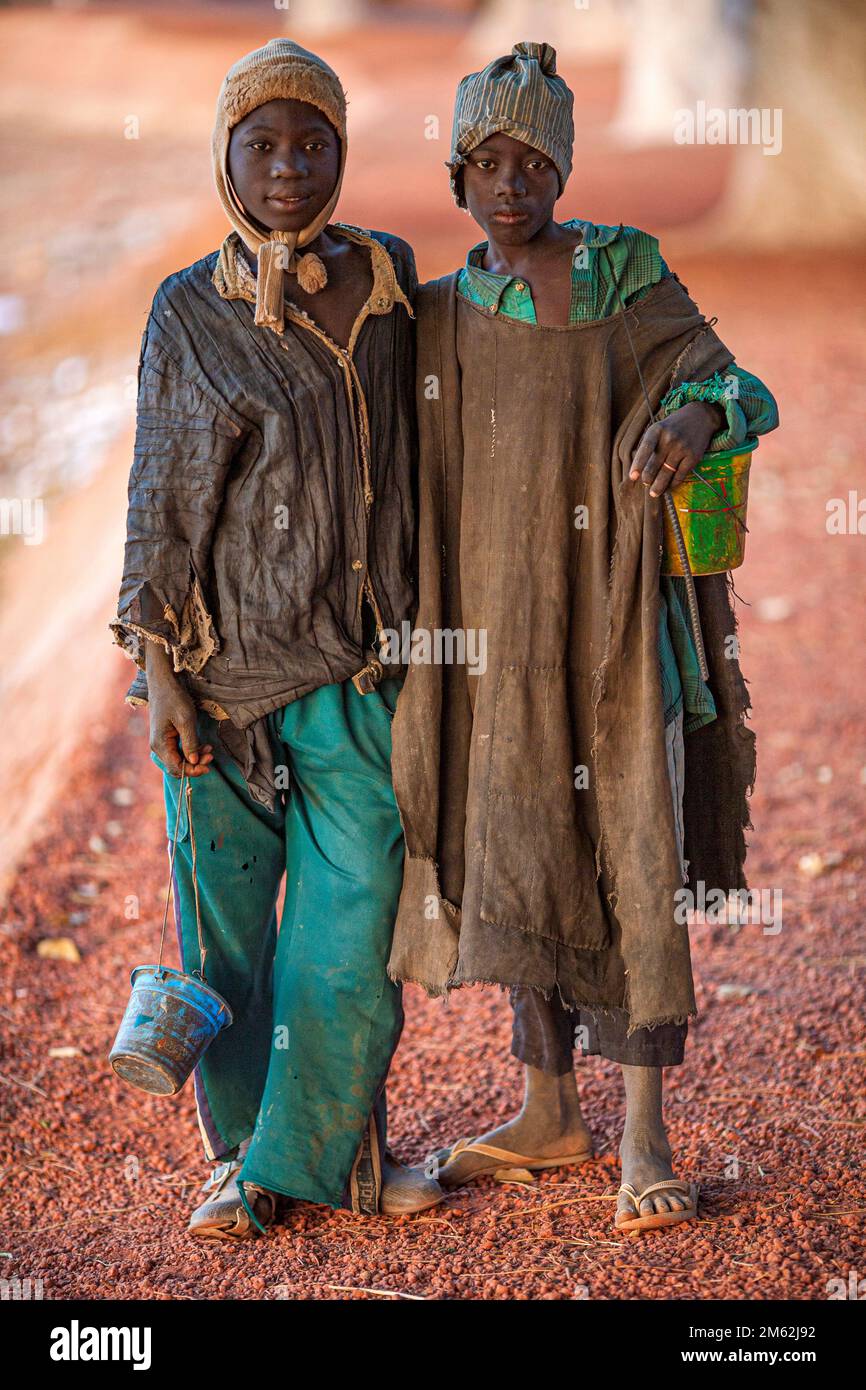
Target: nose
(289, 166)
(510, 183)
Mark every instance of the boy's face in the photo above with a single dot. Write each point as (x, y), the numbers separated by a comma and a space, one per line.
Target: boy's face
(510, 189)
(283, 161)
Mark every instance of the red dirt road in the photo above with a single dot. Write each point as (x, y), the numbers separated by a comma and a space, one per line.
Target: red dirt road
(768, 1112)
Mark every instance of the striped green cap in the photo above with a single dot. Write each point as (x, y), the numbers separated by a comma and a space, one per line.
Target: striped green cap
(518, 95)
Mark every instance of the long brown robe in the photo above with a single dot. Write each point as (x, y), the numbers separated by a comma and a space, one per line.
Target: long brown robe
(515, 872)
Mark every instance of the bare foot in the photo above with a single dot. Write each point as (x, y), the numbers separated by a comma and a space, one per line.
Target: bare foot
(549, 1126)
(643, 1165)
(645, 1151)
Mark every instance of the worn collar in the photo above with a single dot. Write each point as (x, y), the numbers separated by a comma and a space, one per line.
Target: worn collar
(488, 287)
(233, 278)
(594, 235)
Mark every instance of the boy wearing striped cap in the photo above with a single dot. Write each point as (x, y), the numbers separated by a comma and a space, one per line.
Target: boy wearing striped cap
(549, 803)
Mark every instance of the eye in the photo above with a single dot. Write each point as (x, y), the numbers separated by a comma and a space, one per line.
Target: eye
(259, 145)
(315, 145)
(483, 163)
(536, 164)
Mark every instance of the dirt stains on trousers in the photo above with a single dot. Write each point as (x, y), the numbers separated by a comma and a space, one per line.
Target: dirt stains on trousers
(316, 1019)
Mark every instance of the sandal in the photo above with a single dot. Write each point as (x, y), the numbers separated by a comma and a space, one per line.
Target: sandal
(501, 1160)
(624, 1222)
(222, 1215)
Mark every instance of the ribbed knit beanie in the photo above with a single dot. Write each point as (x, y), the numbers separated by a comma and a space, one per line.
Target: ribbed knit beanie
(282, 69)
(518, 95)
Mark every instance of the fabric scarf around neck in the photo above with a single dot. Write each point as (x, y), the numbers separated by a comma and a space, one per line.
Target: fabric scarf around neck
(279, 70)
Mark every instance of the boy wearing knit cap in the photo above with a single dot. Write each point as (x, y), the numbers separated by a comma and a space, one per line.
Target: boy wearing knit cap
(550, 802)
(269, 536)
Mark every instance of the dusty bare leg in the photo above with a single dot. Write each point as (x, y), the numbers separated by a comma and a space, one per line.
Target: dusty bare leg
(549, 1125)
(645, 1150)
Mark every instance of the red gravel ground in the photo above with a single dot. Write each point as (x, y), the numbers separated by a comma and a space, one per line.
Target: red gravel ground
(767, 1113)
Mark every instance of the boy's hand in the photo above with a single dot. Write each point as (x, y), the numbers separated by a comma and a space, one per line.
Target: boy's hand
(672, 447)
(173, 719)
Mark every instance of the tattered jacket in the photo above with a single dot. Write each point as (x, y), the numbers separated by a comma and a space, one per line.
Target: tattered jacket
(270, 494)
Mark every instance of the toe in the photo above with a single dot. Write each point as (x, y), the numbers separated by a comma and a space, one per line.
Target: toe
(662, 1204)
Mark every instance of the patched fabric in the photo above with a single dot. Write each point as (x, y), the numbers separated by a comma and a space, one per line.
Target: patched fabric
(515, 875)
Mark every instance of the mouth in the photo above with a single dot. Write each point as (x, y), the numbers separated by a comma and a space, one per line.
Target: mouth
(509, 217)
(288, 202)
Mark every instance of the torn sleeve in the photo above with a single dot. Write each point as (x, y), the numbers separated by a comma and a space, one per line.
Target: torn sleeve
(748, 405)
(184, 446)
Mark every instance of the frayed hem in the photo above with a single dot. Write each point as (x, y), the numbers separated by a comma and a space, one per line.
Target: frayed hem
(193, 640)
(431, 989)
(674, 1020)
(439, 990)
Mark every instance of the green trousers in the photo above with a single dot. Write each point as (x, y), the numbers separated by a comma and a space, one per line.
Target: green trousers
(316, 1020)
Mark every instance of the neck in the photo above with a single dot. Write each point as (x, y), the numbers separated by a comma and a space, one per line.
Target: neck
(509, 259)
(320, 246)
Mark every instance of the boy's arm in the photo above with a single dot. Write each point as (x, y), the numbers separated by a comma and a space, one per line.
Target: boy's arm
(670, 448)
(700, 417)
(746, 407)
(184, 446)
(183, 450)
(172, 714)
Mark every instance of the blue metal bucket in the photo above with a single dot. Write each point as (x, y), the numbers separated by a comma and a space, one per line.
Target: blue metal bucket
(170, 1020)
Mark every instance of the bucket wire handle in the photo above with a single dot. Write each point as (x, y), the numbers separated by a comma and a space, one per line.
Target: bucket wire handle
(201, 945)
(202, 951)
(170, 872)
(691, 596)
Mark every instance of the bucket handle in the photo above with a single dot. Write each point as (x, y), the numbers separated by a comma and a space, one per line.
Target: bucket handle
(201, 946)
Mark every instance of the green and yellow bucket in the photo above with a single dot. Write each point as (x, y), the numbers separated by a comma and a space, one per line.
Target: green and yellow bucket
(712, 514)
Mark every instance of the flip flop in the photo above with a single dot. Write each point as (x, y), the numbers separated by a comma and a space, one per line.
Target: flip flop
(503, 1159)
(637, 1222)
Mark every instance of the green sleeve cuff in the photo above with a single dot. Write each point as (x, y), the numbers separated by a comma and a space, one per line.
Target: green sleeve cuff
(717, 389)
(749, 407)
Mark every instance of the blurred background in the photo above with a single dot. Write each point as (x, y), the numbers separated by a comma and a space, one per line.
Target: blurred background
(107, 111)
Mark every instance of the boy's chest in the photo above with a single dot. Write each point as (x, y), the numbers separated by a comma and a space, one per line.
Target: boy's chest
(336, 307)
(551, 294)
(540, 287)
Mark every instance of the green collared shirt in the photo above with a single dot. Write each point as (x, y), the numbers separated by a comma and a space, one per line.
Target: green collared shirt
(748, 405)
